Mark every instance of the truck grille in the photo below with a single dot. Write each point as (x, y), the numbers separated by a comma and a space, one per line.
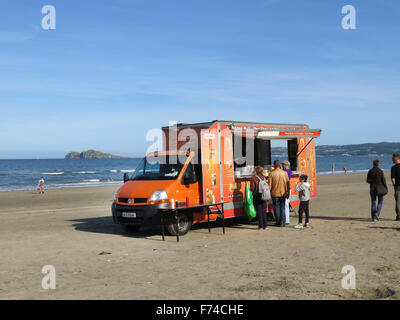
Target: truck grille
(140, 200)
(135, 200)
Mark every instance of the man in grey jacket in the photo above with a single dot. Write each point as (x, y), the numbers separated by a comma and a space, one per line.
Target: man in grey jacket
(303, 188)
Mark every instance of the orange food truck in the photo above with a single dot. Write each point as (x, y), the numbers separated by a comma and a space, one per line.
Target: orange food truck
(206, 163)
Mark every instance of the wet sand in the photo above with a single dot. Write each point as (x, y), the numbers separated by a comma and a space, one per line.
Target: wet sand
(72, 230)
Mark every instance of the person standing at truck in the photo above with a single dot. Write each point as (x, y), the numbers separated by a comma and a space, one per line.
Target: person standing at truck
(286, 168)
(280, 190)
(303, 188)
(395, 175)
(259, 204)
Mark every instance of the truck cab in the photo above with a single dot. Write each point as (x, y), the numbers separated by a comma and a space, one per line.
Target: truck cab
(159, 180)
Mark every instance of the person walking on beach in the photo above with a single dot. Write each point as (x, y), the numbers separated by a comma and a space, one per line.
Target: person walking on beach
(280, 190)
(41, 185)
(395, 175)
(286, 168)
(303, 188)
(260, 190)
(378, 189)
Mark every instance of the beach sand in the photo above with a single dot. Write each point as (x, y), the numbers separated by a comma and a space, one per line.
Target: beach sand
(72, 230)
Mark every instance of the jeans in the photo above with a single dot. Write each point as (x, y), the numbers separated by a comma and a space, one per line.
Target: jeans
(287, 211)
(261, 213)
(397, 198)
(304, 208)
(279, 210)
(375, 210)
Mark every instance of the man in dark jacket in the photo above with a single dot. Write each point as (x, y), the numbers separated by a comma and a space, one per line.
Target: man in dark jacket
(378, 188)
(395, 175)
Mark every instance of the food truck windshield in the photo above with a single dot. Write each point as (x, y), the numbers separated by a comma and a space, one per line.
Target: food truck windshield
(157, 168)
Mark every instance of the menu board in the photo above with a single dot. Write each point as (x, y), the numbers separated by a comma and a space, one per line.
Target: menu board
(210, 159)
(312, 168)
(302, 158)
(228, 180)
(307, 162)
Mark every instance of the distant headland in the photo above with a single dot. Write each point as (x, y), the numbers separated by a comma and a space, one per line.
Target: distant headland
(365, 149)
(91, 154)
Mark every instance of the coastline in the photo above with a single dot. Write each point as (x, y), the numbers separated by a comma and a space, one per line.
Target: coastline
(77, 173)
(116, 183)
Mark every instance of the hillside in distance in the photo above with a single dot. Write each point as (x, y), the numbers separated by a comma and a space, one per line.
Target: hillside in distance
(91, 154)
(365, 149)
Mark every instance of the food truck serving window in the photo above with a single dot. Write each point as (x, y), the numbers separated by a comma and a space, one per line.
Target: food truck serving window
(251, 151)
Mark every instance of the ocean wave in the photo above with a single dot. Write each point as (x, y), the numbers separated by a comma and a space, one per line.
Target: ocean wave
(113, 170)
(85, 172)
(60, 186)
(90, 180)
(325, 173)
(127, 170)
(52, 173)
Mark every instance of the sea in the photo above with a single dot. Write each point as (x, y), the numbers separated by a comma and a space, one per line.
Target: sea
(24, 174)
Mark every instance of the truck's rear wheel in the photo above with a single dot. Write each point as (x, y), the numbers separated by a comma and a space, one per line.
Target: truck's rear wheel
(184, 223)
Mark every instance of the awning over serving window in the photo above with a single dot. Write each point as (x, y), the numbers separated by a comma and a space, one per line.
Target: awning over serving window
(311, 133)
(278, 134)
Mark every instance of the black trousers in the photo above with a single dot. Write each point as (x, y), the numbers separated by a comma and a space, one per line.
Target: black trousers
(304, 207)
(261, 207)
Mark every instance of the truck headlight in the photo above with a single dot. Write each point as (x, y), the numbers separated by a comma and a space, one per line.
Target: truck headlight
(159, 196)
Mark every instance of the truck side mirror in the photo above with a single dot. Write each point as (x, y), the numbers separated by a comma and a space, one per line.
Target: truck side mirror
(126, 177)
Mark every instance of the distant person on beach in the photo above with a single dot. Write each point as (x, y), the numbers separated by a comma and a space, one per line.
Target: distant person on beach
(280, 190)
(345, 169)
(333, 169)
(259, 204)
(40, 186)
(303, 188)
(395, 175)
(378, 189)
(286, 168)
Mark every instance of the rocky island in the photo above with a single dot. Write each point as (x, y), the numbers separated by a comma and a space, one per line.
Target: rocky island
(91, 154)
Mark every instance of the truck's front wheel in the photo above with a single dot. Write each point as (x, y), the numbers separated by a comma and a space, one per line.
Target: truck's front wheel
(184, 223)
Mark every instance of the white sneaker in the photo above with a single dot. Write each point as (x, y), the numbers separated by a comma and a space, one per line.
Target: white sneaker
(307, 224)
(299, 226)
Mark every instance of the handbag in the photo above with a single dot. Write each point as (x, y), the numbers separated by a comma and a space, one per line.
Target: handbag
(248, 203)
(381, 190)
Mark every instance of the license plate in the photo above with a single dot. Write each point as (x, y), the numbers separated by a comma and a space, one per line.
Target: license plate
(129, 214)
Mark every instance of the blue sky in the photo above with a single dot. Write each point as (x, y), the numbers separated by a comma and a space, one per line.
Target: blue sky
(112, 70)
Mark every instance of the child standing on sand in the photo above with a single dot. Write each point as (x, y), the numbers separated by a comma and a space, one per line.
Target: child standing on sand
(303, 188)
(41, 185)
